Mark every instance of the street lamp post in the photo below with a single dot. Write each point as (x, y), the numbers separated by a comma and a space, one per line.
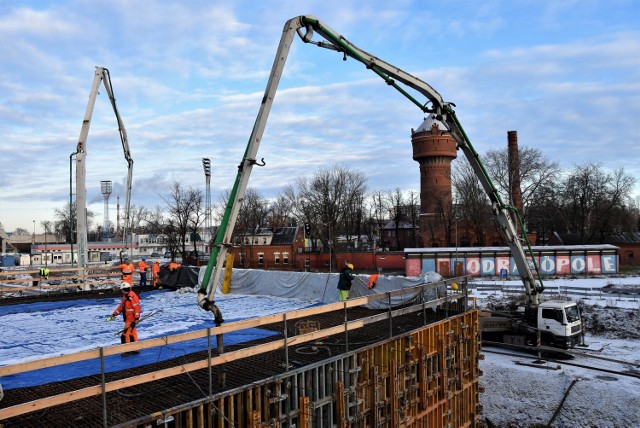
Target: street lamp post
(71, 203)
(330, 240)
(33, 243)
(46, 250)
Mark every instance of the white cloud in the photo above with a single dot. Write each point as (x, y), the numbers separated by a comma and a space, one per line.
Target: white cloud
(189, 77)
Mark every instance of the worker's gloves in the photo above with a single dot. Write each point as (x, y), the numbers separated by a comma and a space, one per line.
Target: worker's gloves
(133, 324)
(111, 318)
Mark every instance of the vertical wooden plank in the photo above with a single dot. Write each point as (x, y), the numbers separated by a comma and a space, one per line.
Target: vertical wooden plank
(257, 394)
(340, 405)
(393, 393)
(221, 412)
(304, 406)
(231, 414)
(255, 421)
(188, 418)
(209, 414)
(200, 418)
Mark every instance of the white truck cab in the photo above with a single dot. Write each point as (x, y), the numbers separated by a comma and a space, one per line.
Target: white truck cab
(559, 323)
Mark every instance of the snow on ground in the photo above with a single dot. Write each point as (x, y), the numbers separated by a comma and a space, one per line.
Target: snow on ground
(33, 331)
(522, 396)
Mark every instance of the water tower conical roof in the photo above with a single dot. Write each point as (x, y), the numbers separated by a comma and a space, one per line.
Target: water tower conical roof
(428, 122)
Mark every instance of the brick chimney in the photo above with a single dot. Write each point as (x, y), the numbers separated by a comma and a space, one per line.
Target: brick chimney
(514, 174)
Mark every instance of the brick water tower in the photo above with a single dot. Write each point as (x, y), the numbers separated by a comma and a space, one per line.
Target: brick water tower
(434, 149)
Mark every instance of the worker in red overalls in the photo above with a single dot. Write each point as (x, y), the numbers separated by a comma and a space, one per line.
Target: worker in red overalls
(130, 309)
(143, 267)
(126, 269)
(373, 280)
(156, 273)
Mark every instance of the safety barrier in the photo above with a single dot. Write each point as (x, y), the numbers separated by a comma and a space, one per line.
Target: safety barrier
(563, 291)
(20, 282)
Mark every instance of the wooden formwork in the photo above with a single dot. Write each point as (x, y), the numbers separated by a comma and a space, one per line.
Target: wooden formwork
(427, 378)
(59, 279)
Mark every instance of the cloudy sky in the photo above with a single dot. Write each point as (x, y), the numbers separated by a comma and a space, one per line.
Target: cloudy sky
(189, 76)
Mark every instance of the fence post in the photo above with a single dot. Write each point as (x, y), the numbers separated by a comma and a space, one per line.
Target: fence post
(286, 346)
(104, 389)
(209, 363)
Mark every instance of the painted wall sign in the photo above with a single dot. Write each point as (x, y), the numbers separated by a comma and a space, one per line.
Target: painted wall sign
(483, 265)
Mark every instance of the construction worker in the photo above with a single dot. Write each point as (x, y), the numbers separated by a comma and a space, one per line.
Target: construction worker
(344, 282)
(373, 280)
(44, 272)
(173, 266)
(143, 267)
(156, 273)
(130, 309)
(126, 269)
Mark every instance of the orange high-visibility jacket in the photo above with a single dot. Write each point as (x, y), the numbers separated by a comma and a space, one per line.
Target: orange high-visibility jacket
(373, 279)
(129, 307)
(142, 266)
(127, 269)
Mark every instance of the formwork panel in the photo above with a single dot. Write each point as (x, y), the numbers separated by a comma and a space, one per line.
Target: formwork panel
(425, 378)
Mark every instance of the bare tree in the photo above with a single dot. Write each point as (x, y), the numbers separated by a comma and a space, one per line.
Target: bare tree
(279, 212)
(326, 200)
(379, 210)
(592, 198)
(545, 215)
(65, 223)
(21, 232)
(396, 202)
(536, 171)
(155, 222)
(413, 203)
(472, 212)
(184, 210)
(253, 213)
(138, 217)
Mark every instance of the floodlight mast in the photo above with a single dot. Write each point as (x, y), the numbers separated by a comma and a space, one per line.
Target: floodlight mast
(206, 164)
(101, 76)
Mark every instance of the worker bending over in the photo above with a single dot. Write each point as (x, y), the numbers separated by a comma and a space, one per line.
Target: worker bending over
(373, 280)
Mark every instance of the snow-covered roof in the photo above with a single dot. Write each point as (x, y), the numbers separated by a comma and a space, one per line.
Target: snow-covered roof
(542, 248)
(428, 122)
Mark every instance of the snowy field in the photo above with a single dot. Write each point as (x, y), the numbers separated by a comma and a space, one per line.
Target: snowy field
(515, 395)
(522, 396)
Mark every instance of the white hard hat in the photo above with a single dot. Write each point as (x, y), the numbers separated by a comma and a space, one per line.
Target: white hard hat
(124, 284)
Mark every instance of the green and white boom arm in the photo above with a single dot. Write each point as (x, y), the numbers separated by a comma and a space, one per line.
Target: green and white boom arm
(305, 26)
(101, 76)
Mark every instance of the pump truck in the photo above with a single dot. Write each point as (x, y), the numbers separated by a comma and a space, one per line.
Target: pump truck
(558, 322)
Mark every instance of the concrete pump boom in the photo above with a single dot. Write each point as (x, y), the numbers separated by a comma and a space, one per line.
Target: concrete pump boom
(305, 26)
(101, 76)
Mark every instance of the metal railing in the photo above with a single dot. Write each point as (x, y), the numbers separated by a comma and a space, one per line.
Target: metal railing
(563, 291)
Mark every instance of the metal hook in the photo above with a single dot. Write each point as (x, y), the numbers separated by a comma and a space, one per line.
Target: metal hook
(255, 162)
